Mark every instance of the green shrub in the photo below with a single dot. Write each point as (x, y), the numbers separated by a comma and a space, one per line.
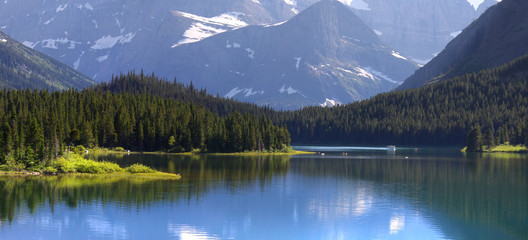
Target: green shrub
(64, 166)
(49, 170)
(139, 168)
(120, 149)
(4, 168)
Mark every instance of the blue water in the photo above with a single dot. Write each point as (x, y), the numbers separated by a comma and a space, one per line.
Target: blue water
(345, 194)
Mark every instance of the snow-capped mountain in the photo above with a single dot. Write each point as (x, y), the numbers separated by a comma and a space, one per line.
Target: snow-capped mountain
(324, 52)
(497, 37)
(101, 38)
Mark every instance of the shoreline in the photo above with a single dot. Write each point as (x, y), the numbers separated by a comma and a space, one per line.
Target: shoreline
(294, 152)
(503, 148)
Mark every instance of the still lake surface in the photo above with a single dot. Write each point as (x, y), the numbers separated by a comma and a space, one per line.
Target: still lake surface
(365, 194)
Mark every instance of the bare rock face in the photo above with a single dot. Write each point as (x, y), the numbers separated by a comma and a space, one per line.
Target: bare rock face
(417, 28)
(497, 37)
(325, 53)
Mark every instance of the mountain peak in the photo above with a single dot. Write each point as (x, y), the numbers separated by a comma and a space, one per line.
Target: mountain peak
(331, 18)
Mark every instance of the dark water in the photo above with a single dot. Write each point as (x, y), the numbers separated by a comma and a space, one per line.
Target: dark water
(365, 194)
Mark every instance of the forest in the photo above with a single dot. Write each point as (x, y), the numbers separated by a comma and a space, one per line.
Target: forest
(442, 113)
(37, 126)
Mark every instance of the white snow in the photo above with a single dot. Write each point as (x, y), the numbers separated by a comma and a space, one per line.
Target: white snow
(236, 45)
(102, 58)
(276, 24)
(49, 21)
(108, 41)
(29, 44)
(233, 92)
(229, 19)
(298, 59)
(4, 27)
(363, 73)
(249, 92)
(54, 43)
(197, 32)
(295, 11)
(289, 90)
(78, 62)
(381, 75)
(455, 34)
(61, 8)
(357, 4)
(88, 6)
(291, 2)
(3, 40)
(397, 55)
(331, 103)
(379, 33)
(251, 53)
(256, 1)
(206, 27)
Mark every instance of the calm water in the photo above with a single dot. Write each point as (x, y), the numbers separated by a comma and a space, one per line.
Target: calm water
(365, 194)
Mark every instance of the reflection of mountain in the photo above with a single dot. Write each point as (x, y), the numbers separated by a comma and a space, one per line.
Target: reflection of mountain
(486, 191)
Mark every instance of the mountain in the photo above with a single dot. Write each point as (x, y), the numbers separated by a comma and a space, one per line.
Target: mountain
(496, 99)
(416, 28)
(324, 52)
(22, 67)
(101, 38)
(485, 5)
(497, 37)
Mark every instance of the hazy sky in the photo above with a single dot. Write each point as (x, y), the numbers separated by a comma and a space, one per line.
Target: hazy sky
(475, 3)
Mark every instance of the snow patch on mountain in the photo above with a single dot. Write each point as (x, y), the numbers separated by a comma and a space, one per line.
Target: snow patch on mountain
(251, 53)
(3, 40)
(357, 4)
(397, 55)
(298, 59)
(108, 41)
(207, 27)
(55, 43)
(288, 90)
(101, 58)
(29, 44)
(331, 103)
(61, 8)
(379, 33)
(78, 62)
(256, 1)
(88, 6)
(246, 91)
(455, 34)
(380, 75)
(291, 2)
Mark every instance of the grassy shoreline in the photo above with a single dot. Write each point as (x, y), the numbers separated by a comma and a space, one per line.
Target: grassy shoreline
(503, 148)
(75, 164)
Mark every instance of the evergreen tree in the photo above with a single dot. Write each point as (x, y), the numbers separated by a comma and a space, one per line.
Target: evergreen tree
(474, 140)
(489, 138)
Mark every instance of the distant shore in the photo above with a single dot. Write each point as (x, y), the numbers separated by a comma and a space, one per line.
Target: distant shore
(503, 148)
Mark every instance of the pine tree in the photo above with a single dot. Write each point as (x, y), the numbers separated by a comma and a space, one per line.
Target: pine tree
(489, 138)
(474, 140)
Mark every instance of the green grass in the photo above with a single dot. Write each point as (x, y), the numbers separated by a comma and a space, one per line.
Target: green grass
(503, 148)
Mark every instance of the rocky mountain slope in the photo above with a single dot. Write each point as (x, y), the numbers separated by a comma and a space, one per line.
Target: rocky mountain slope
(497, 37)
(22, 67)
(325, 52)
(101, 38)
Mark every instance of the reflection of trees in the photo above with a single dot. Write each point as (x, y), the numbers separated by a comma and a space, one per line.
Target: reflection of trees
(200, 175)
(488, 191)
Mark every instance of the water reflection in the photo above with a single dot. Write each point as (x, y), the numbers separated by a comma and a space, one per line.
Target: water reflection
(410, 194)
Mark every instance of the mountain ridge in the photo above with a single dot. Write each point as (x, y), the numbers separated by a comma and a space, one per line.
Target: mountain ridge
(22, 67)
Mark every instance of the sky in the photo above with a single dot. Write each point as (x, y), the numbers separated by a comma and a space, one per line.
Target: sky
(475, 3)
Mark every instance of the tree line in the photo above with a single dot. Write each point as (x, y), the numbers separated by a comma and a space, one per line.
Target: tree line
(37, 126)
(441, 113)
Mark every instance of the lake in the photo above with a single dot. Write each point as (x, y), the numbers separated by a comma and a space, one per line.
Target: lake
(349, 193)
